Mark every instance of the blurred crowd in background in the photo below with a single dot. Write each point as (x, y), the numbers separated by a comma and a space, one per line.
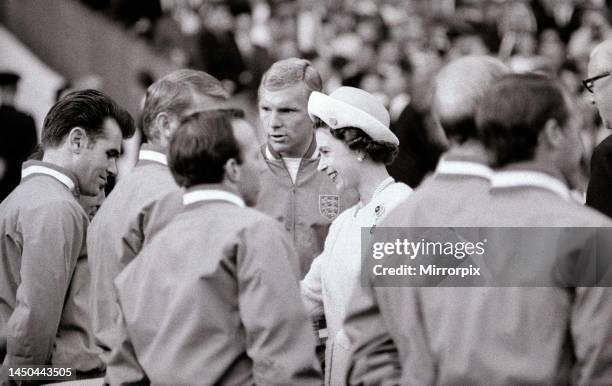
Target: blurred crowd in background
(391, 48)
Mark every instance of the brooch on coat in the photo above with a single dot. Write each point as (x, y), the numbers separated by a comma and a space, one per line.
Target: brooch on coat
(378, 212)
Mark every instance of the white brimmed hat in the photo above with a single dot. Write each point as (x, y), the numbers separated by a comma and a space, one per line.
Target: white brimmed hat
(352, 107)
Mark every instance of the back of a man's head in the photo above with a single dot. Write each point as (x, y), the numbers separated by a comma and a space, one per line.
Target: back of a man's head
(600, 64)
(600, 59)
(459, 88)
(173, 94)
(289, 72)
(515, 110)
(200, 148)
(87, 109)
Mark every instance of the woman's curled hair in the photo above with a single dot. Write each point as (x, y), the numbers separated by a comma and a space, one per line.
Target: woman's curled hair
(356, 139)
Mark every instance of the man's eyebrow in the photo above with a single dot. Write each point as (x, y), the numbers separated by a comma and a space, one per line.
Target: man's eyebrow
(288, 107)
(281, 105)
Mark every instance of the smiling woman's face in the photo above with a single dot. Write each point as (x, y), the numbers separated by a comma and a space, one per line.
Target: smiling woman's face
(337, 160)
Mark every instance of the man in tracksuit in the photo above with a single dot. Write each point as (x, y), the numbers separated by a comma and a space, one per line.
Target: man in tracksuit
(212, 298)
(292, 191)
(44, 318)
(112, 241)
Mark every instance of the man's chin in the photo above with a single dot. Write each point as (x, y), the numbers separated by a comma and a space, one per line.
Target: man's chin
(282, 148)
(277, 147)
(250, 198)
(339, 184)
(88, 194)
(92, 192)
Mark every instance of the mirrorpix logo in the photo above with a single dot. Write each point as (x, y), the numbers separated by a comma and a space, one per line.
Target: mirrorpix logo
(329, 205)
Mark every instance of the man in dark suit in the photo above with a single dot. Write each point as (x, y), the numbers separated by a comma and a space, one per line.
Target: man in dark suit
(17, 135)
(599, 83)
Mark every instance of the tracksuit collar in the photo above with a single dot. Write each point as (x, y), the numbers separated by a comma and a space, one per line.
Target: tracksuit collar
(463, 167)
(211, 192)
(525, 176)
(152, 154)
(67, 178)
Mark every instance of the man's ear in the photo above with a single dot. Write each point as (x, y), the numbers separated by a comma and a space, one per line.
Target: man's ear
(77, 138)
(552, 135)
(232, 171)
(162, 123)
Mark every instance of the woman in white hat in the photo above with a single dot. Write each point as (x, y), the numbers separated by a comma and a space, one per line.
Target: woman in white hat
(355, 144)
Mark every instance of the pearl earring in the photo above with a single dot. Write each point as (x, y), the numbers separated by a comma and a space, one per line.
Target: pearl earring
(360, 158)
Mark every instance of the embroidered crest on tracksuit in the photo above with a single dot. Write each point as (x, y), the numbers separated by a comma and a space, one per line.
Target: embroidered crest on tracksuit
(329, 205)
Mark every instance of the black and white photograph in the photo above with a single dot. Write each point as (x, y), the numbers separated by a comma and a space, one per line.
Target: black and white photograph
(305, 192)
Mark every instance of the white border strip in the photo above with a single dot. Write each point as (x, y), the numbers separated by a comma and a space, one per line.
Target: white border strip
(269, 154)
(154, 156)
(464, 168)
(38, 169)
(212, 194)
(511, 178)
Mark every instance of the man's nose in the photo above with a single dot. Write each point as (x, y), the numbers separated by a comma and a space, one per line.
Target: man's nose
(322, 166)
(275, 120)
(112, 167)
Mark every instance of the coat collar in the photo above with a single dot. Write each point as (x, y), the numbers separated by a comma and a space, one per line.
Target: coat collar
(211, 192)
(152, 154)
(66, 177)
(530, 178)
(463, 167)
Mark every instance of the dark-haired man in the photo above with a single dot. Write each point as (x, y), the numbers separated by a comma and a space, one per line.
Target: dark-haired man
(212, 297)
(179, 93)
(43, 318)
